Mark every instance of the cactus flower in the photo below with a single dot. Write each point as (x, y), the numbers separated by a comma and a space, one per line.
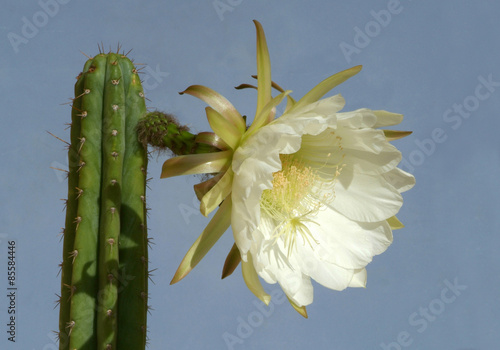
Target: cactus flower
(310, 194)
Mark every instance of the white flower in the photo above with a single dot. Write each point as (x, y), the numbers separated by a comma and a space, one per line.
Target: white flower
(311, 194)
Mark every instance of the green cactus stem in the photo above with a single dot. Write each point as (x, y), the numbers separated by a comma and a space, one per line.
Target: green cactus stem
(104, 291)
(162, 131)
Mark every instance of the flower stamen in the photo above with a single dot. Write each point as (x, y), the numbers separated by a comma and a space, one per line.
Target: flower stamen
(299, 191)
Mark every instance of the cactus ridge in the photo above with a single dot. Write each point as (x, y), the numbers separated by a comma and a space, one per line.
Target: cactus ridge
(104, 272)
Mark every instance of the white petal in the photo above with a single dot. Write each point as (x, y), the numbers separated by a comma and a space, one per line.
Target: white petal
(254, 165)
(346, 243)
(297, 286)
(361, 118)
(258, 157)
(385, 118)
(327, 107)
(371, 163)
(367, 150)
(365, 140)
(365, 198)
(359, 279)
(400, 179)
(328, 274)
(273, 265)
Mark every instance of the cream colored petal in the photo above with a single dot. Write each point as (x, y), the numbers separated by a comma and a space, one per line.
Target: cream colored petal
(263, 117)
(385, 118)
(273, 265)
(257, 159)
(345, 243)
(226, 130)
(210, 235)
(359, 279)
(361, 118)
(325, 86)
(368, 151)
(196, 164)
(212, 139)
(300, 309)
(219, 103)
(365, 198)
(252, 280)
(217, 193)
(395, 223)
(263, 70)
(400, 179)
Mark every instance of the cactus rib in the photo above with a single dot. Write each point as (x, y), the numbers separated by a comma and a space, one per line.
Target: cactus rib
(104, 270)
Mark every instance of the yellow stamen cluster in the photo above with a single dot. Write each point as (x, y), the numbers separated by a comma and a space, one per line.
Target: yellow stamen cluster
(301, 189)
(292, 202)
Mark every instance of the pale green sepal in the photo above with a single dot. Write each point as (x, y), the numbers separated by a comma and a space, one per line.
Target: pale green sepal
(203, 187)
(300, 309)
(210, 138)
(210, 235)
(252, 280)
(263, 70)
(219, 103)
(196, 164)
(290, 101)
(262, 118)
(392, 135)
(325, 86)
(233, 259)
(226, 130)
(217, 193)
(395, 223)
(245, 86)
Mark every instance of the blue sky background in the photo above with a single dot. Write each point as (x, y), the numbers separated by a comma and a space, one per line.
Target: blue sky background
(431, 61)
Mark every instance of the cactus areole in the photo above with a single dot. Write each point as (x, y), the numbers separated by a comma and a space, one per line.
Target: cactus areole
(104, 294)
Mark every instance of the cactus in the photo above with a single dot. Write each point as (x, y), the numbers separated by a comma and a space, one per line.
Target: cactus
(104, 294)
(162, 131)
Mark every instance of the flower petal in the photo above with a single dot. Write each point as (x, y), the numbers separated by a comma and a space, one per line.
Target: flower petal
(263, 70)
(255, 161)
(385, 118)
(327, 274)
(263, 117)
(392, 135)
(300, 309)
(345, 243)
(290, 101)
(367, 150)
(252, 280)
(326, 85)
(216, 194)
(219, 103)
(365, 198)
(226, 130)
(395, 223)
(233, 259)
(360, 118)
(212, 139)
(196, 164)
(274, 266)
(210, 235)
(359, 279)
(400, 179)
(202, 188)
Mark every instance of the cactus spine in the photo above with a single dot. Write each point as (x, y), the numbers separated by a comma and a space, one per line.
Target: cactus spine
(104, 292)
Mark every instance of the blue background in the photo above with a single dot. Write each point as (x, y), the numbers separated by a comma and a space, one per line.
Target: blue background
(425, 61)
